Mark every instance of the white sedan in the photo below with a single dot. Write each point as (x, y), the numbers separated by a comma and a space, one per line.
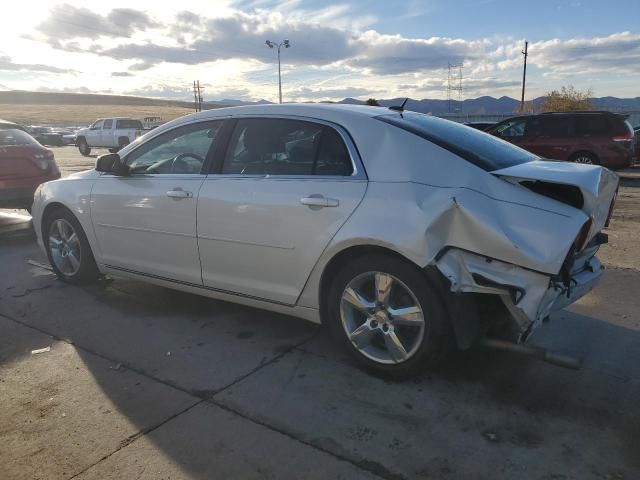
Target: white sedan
(404, 233)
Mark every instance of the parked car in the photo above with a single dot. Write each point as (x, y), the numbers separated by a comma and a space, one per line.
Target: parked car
(111, 133)
(24, 164)
(480, 125)
(404, 232)
(68, 136)
(598, 138)
(46, 136)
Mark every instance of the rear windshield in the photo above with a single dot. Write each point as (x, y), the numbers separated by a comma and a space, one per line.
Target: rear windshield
(13, 136)
(123, 124)
(481, 149)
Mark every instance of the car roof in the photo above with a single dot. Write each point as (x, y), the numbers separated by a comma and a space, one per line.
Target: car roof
(8, 124)
(301, 109)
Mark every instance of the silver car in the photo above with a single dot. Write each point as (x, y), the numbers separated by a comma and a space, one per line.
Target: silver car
(404, 233)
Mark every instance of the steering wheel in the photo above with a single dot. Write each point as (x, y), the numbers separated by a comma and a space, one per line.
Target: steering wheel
(182, 156)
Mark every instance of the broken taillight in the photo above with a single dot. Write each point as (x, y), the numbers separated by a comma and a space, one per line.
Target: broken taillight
(583, 235)
(613, 203)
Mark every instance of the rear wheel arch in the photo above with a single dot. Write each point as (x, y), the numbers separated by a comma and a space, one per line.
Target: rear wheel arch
(465, 311)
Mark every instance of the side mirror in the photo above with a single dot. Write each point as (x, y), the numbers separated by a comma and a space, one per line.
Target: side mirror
(112, 163)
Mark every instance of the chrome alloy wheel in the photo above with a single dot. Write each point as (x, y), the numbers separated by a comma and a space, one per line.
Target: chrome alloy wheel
(382, 317)
(64, 246)
(586, 159)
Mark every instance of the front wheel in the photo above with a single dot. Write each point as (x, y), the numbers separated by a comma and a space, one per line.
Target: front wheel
(68, 248)
(386, 314)
(83, 147)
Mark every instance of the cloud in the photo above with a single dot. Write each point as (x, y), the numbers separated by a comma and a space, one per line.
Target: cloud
(122, 74)
(306, 93)
(67, 22)
(618, 52)
(7, 65)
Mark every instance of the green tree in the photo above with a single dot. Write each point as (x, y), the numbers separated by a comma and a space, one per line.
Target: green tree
(567, 99)
(372, 102)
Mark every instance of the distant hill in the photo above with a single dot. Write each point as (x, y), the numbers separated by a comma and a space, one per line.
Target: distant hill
(473, 106)
(490, 105)
(18, 97)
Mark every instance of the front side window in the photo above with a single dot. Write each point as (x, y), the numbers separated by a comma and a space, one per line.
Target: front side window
(107, 124)
(261, 146)
(179, 151)
(96, 126)
(511, 128)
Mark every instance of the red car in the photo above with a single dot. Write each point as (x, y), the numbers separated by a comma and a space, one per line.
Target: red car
(24, 164)
(601, 138)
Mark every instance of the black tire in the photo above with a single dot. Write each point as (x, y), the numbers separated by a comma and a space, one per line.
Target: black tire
(114, 150)
(436, 336)
(83, 147)
(123, 142)
(586, 158)
(88, 270)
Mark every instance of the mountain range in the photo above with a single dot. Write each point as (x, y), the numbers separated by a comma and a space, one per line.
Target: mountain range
(485, 105)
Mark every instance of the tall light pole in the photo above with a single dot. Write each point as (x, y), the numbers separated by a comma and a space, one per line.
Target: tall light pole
(525, 52)
(285, 44)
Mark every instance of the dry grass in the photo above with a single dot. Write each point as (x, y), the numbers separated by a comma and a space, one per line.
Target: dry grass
(30, 114)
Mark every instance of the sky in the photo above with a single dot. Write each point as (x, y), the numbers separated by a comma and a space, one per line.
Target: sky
(361, 49)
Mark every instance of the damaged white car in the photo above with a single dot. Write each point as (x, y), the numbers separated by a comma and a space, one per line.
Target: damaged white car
(405, 233)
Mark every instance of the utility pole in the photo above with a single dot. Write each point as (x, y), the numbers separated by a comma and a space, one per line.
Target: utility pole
(195, 96)
(285, 44)
(200, 96)
(525, 52)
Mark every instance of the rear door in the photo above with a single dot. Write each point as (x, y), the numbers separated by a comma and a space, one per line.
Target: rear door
(550, 136)
(145, 223)
(275, 200)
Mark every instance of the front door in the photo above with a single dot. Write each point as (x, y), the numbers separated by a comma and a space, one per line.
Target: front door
(146, 222)
(94, 134)
(285, 188)
(106, 137)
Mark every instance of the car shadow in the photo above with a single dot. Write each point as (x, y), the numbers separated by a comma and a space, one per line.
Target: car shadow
(270, 371)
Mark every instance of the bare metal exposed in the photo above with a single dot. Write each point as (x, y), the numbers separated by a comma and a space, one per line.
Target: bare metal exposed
(405, 233)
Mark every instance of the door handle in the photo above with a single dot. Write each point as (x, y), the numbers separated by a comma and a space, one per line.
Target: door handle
(319, 201)
(179, 193)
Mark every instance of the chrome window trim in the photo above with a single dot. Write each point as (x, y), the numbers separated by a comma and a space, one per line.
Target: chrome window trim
(356, 162)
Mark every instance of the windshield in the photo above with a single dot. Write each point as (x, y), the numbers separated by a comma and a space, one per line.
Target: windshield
(480, 148)
(13, 137)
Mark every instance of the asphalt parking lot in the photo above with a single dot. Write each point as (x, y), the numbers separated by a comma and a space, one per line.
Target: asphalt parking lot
(144, 382)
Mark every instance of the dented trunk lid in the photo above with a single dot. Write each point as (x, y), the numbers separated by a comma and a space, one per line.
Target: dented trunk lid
(597, 185)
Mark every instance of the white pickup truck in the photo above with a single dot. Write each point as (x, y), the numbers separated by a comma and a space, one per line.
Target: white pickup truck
(112, 133)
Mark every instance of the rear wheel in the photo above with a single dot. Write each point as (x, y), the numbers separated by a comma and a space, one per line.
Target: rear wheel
(68, 248)
(83, 147)
(385, 313)
(585, 157)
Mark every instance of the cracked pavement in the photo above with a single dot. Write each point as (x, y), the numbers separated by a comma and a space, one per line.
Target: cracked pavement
(145, 382)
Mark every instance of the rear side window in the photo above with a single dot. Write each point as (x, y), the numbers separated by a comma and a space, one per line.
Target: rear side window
(128, 124)
(592, 125)
(261, 146)
(480, 148)
(14, 137)
(549, 126)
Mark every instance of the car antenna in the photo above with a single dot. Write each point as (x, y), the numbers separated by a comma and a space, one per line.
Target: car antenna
(399, 108)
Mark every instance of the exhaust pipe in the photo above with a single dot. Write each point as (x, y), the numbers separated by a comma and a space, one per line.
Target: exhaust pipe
(540, 353)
